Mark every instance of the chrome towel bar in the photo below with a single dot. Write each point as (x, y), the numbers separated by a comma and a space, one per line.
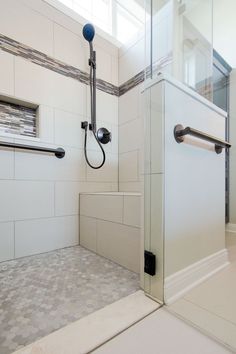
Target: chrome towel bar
(59, 152)
(180, 132)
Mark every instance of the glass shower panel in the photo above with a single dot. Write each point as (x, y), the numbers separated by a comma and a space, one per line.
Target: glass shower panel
(159, 39)
(195, 22)
(179, 42)
(179, 46)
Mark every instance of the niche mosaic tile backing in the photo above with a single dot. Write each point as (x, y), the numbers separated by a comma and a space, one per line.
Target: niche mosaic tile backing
(16, 119)
(42, 293)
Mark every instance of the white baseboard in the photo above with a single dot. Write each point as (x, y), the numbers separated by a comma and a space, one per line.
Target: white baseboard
(176, 285)
(231, 228)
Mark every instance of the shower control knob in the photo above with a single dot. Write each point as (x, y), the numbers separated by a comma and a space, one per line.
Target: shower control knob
(103, 135)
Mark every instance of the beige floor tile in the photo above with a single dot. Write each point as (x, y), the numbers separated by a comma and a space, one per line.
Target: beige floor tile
(217, 295)
(219, 328)
(211, 305)
(161, 333)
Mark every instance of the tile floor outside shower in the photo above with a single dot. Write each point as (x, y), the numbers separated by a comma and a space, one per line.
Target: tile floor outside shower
(210, 306)
(42, 293)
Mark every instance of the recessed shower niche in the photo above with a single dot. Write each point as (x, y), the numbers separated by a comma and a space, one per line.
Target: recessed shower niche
(18, 117)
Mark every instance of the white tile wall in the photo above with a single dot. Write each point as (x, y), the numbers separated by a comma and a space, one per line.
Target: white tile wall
(130, 135)
(21, 23)
(68, 130)
(66, 198)
(108, 173)
(132, 210)
(6, 241)
(129, 105)
(33, 166)
(68, 47)
(40, 193)
(129, 167)
(107, 108)
(26, 200)
(104, 64)
(131, 62)
(110, 226)
(119, 243)
(6, 163)
(37, 84)
(106, 207)
(6, 73)
(46, 124)
(44, 235)
(88, 232)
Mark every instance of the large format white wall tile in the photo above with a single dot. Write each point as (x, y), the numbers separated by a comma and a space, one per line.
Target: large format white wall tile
(156, 128)
(109, 171)
(132, 62)
(7, 162)
(107, 107)
(37, 84)
(68, 47)
(45, 124)
(128, 166)
(115, 78)
(130, 186)
(44, 235)
(129, 105)
(104, 64)
(66, 198)
(106, 207)
(6, 73)
(130, 136)
(6, 241)
(47, 167)
(45, 186)
(27, 26)
(68, 129)
(132, 210)
(88, 233)
(26, 200)
(119, 243)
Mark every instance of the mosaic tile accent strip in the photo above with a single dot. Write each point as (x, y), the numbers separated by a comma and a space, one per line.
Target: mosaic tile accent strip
(40, 294)
(17, 119)
(16, 48)
(133, 82)
(140, 77)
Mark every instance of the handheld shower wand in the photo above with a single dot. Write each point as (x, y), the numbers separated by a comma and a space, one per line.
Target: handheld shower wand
(102, 136)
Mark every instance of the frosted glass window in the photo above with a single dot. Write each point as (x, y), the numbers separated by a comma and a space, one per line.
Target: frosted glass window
(120, 18)
(126, 25)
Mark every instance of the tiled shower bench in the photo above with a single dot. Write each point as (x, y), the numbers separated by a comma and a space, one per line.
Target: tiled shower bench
(110, 226)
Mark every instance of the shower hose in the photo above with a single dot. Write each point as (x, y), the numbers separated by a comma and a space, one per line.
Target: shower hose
(93, 119)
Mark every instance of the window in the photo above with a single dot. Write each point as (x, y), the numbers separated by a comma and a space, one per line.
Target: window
(120, 18)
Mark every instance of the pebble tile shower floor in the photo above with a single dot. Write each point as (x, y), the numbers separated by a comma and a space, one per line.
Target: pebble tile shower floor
(40, 294)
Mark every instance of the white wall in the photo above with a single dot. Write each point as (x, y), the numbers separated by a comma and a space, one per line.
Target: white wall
(39, 193)
(184, 183)
(224, 28)
(232, 139)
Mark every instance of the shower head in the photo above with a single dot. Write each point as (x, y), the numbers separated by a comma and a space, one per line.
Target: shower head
(88, 32)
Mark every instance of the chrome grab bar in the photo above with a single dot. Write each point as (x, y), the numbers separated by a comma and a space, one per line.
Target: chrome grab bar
(59, 152)
(180, 132)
